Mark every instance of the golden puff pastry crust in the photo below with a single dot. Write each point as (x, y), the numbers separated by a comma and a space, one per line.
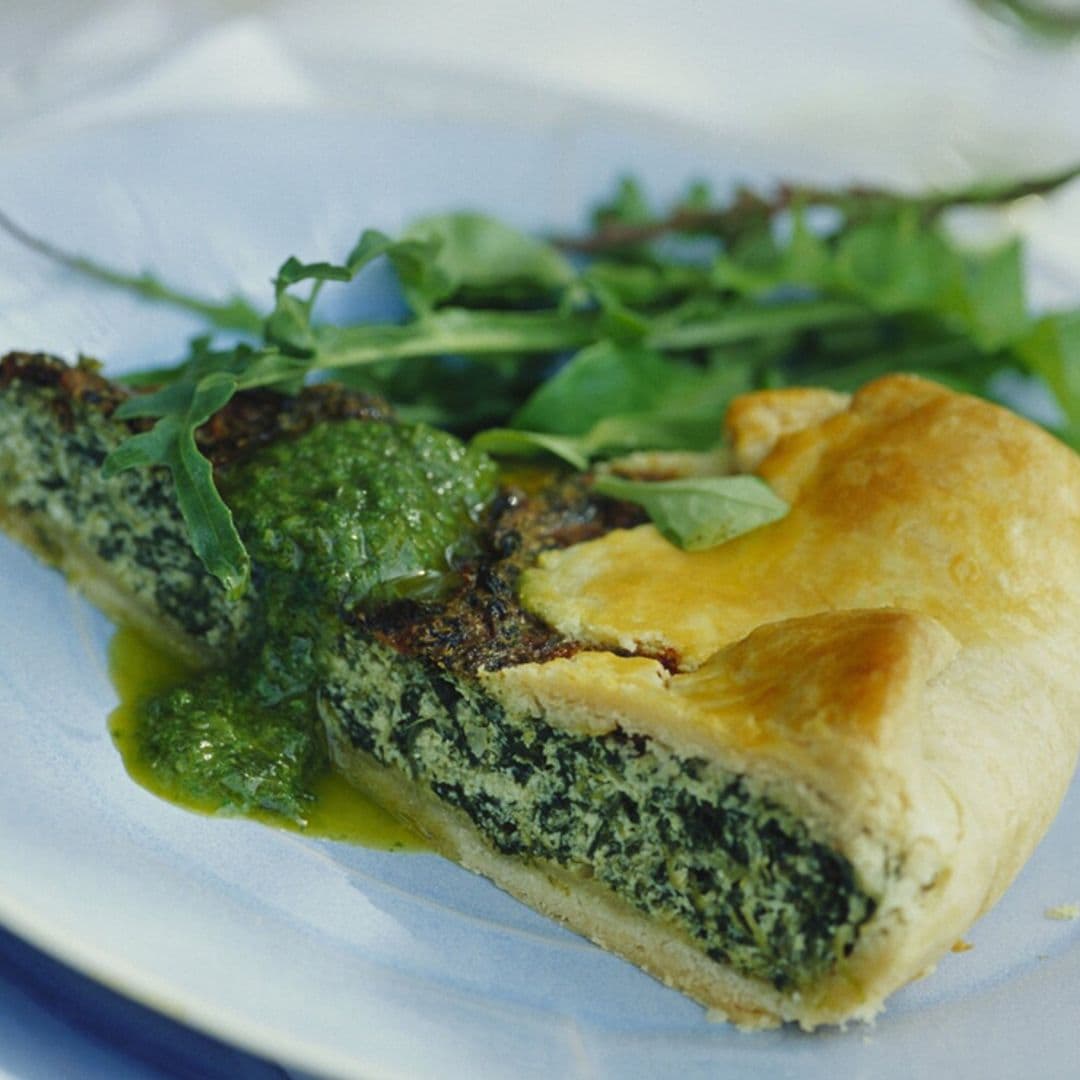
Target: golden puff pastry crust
(894, 661)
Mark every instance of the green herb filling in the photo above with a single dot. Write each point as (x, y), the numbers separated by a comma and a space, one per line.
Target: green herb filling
(51, 451)
(679, 839)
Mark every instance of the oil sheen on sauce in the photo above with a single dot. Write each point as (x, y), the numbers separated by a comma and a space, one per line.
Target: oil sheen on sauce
(340, 812)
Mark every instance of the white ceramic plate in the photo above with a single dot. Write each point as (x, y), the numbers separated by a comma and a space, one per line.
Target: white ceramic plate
(327, 957)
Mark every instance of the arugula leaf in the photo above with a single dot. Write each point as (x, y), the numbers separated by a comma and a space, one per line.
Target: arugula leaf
(600, 380)
(608, 390)
(171, 443)
(647, 284)
(1052, 351)
(624, 432)
(293, 271)
(234, 313)
(627, 225)
(620, 433)
(509, 442)
(700, 512)
(628, 206)
(181, 407)
(289, 325)
(619, 322)
(994, 300)
(894, 264)
(477, 258)
(460, 393)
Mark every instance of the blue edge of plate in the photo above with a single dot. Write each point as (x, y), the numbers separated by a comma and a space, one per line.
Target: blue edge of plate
(38, 991)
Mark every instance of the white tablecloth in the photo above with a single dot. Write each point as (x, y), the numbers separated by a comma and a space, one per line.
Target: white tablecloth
(925, 88)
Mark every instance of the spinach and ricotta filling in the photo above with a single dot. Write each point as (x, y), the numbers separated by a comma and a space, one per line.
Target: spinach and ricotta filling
(56, 430)
(677, 838)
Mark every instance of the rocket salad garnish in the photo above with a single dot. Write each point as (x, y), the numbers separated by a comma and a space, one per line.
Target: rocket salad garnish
(635, 336)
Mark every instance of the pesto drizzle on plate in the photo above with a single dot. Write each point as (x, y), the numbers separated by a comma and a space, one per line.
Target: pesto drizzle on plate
(349, 514)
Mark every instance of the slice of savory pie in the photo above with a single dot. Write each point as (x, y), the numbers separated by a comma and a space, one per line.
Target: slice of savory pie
(783, 775)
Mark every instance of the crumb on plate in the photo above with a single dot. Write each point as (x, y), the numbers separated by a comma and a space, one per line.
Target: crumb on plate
(1064, 912)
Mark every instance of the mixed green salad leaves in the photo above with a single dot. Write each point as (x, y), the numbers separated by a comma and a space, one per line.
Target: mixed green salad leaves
(633, 337)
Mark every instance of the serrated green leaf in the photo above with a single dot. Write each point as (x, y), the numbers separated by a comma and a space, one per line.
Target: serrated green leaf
(289, 327)
(293, 271)
(144, 449)
(213, 533)
(628, 206)
(371, 245)
(170, 443)
(285, 374)
(172, 398)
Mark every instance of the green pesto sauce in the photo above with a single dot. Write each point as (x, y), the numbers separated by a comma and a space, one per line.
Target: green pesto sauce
(335, 809)
(350, 513)
(360, 512)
